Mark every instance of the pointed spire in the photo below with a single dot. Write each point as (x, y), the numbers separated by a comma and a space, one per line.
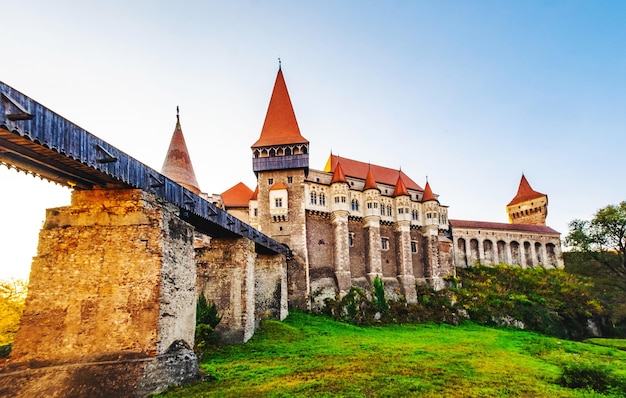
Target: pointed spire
(525, 192)
(177, 164)
(400, 189)
(280, 126)
(370, 182)
(428, 193)
(338, 175)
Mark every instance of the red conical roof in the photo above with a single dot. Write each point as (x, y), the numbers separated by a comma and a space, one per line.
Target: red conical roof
(401, 188)
(370, 182)
(177, 164)
(338, 175)
(428, 193)
(281, 126)
(237, 196)
(525, 192)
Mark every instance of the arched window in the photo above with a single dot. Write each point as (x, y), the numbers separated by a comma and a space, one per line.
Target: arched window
(415, 215)
(322, 199)
(389, 213)
(272, 152)
(355, 205)
(313, 198)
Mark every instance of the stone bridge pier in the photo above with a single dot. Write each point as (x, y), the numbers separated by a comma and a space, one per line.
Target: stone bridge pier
(112, 298)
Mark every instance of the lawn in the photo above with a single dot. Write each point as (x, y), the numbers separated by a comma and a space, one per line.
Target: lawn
(310, 355)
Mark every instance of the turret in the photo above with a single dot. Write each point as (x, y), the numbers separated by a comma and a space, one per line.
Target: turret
(402, 201)
(528, 206)
(280, 146)
(372, 195)
(177, 164)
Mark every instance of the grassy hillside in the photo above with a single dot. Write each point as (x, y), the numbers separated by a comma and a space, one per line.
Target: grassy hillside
(314, 356)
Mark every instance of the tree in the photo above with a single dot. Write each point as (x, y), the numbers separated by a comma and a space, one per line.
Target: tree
(603, 239)
(12, 296)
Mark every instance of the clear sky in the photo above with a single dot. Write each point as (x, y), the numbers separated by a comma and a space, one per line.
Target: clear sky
(468, 93)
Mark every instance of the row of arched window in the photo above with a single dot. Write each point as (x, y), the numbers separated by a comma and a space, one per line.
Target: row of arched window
(321, 198)
(282, 151)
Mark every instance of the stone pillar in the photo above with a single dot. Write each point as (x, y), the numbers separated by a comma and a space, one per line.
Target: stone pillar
(481, 251)
(509, 253)
(226, 277)
(404, 260)
(341, 250)
(544, 255)
(111, 299)
(373, 261)
(431, 258)
(270, 287)
(468, 252)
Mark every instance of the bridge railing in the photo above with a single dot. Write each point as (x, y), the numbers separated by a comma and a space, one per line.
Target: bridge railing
(37, 139)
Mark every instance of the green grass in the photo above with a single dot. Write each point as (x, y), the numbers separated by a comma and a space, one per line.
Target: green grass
(314, 356)
(620, 344)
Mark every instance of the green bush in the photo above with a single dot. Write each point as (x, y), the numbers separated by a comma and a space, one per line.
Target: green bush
(5, 350)
(379, 295)
(207, 318)
(549, 301)
(593, 377)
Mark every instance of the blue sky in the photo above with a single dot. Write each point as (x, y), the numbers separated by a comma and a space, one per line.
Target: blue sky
(470, 93)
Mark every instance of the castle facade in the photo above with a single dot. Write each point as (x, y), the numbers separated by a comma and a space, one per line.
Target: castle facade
(352, 221)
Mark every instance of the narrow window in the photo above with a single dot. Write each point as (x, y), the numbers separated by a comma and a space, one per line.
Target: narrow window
(384, 243)
(278, 202)
(355, 205)
(289, 180)
(314, 198)
(351, 239)
(322, 199)
(413, 246)
(270, 181)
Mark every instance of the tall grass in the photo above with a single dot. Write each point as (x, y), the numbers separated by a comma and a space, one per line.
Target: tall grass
(310, 355)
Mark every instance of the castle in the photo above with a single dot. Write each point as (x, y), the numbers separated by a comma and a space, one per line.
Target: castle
(353, 221)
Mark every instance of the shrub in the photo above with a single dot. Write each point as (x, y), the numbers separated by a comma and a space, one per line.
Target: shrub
(207, 318)
(379, 296)
(593, 377)
(5, 350)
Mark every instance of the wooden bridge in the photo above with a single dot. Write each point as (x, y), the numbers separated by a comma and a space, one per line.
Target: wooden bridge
(113, 288)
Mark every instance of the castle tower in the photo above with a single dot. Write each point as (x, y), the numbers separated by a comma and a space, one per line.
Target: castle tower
(280, 160)
(431, 235)
(371, 225)
(177, 164)
(339, 212)
(403, 241)
(528, 206)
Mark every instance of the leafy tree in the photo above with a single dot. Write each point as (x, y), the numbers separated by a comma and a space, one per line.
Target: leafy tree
(603, 239)
(12, 296)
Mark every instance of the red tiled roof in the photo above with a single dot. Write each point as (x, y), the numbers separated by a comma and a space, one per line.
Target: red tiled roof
(280, 126)
(338, 175)
(428, 193)
(524, 192)
(370, 182)
(255, 195)
(237, 196)
(177, 164)
(356, 169)
(502, 226)
(278, 185)
(400, 188)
